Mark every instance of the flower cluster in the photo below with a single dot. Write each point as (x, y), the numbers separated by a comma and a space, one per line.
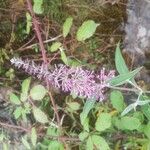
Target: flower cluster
(76, 80)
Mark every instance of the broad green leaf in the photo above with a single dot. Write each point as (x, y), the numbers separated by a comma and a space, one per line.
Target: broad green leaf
(17, 113)
(38, 92)
(5, 146)
(55, 145)
(89, 104)
(14, 99)
(55, 46)
(86, 30)
(119, 61)
(37, 6)
(29, 23)
(52, 131)
(64, 57)
(39, 115)
(147, 130)
(67, 26)
(130, 123)
(83, 135)
(74, 106)
(117, 100)
(100, 143)
(123, 78)
(89, 144)
(33, 136)
(103, 122)
(25, 143)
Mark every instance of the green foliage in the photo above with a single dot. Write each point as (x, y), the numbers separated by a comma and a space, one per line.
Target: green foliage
(37, 7)
(83, 123)
(67, 26)
(123, 78)
(103, 122)
(117, 100)
(86, 30)
(39, 115)
(55, 46)
(38, 92)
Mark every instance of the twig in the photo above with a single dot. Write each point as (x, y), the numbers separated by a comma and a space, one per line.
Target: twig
(32, 45)
(5, 125)
(42, 48)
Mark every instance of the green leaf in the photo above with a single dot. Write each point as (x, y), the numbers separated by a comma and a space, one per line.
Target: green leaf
(55, 46)
(25, 85)
(74, 106)
(146, 111)
(99, 143)
(117, 100)
(147, 130)
(29, 23)
(103, 122)
(67, 26)
(89, 144)
(25, 143)
(119, 61)
(38, 92)
(130, 123)
(33, 136)
(17, 113)
(55, 145)
(37, 6)
(123, 78)
(86, 30)
(83, 135)
(14, 99)
(39, 115)
(25, 88)
(64, 57)
(89, 104)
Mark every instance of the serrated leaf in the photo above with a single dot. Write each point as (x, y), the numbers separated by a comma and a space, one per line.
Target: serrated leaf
(33, 136)
(25, 88)
(103, 122)
(25, 143)
(64, 57)
(117, 100)
(83, 135)
(39, 115)
(119, 61)
(130, 123)
(55, 46)
(100, 143)
(67, 26)
(17, 113)
(14, 99)
(86, 30)
(38, 92)
(123, 78)
(37, 6)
